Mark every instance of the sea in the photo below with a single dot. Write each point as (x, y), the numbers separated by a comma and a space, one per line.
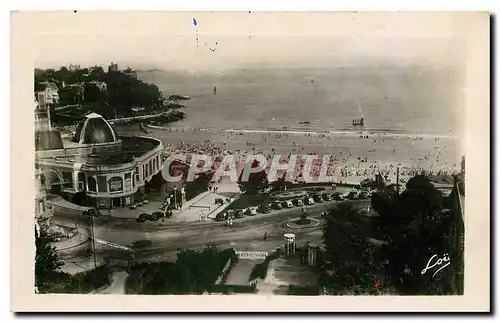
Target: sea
(404, 100)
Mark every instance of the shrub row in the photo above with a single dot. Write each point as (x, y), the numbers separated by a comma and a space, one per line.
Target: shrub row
(303, 290)
(192, 273)
(229, 289)
(80, 283)
(260, 270)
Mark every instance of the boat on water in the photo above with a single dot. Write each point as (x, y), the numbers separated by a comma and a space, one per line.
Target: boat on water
(358, 122)
(304, 122)
(178, 97)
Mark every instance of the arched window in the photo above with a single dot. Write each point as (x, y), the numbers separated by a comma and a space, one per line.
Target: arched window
(91, 184)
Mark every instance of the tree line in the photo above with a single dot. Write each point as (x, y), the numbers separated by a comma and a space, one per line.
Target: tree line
(122, 91)
(388, 252)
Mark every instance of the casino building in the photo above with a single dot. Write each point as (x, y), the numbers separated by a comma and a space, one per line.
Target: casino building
(95, 167)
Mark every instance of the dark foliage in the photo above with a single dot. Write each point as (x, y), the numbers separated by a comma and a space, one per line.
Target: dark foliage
(232, 289)
(156, 182)
(417, 226)
(47, 263)
(303, 290)
(192, 273)
(350, 262)
(260, 270)
(198, 186)
(123, 91)
(256, 183)
(80, 283)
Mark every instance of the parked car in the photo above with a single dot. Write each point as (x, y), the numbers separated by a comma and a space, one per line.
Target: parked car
(309, 201)
(327, 197)
(264, 209)
(157, 215)
(287, 204)
(221, 216)
(337, 196)
(277, 206)
(142, 217)
(353, 195)
(238, 213)
(363, 195)
(298, 202)
(251, 211)
(317, 198)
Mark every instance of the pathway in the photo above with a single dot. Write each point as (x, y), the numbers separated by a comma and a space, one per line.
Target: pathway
(117, 285)
(241, 272)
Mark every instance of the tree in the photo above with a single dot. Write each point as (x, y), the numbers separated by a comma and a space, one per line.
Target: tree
(280, 184)
(417, 227)
(47, 263)
(156, 182)
(198, 185)
(257, 182)
(350, 263)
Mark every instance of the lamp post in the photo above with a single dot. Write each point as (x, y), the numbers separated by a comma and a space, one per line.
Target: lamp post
(92, 214)
(96, 213)
(175, 197)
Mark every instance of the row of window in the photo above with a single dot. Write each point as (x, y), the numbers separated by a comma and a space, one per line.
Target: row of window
(102, 183)
(148, 168)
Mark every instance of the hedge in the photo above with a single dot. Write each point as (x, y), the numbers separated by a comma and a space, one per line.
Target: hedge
(228, 289)
(192, 273)
(303, 290)
(260, 270)
(80, 283)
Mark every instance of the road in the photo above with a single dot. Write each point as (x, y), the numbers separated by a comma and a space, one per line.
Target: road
(165, 239)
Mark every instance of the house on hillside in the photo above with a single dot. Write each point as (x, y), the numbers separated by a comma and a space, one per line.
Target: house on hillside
(51, 92)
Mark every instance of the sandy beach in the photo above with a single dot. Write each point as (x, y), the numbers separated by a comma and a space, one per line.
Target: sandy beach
(354, 155)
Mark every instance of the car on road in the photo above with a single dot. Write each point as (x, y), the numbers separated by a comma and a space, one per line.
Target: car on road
(221, 216)
(363, 195)
(337, 196)
(238, 213)
(318, 199)
(353, 195)
(251, 211)
(157, 215)
(309, 201)
(277, 206)
(142, 217)
(327, 197)
(264, 209)
(298, 202)
(287, 204)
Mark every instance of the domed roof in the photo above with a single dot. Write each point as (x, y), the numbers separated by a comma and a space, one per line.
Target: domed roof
(93, 130)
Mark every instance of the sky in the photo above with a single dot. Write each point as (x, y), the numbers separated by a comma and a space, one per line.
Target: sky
(219, 52)
(175, 41)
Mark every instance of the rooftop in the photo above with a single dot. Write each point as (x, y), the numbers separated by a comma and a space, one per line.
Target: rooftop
(94, 129)
(132, 147)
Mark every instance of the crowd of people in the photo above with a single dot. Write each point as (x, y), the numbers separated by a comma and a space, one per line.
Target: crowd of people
(343, 165)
